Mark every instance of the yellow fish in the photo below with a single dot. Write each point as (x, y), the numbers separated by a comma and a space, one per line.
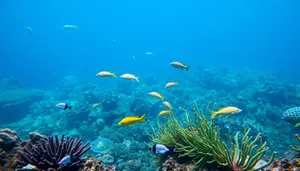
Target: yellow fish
(106, 74)
(165, 112)
(226, 111)
(130, 120)
(179, 65)
(95, 105)
(130, 77)
(156, 95)
(171, 84)
(167, 104)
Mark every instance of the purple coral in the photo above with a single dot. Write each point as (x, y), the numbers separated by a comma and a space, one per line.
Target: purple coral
(46, 153)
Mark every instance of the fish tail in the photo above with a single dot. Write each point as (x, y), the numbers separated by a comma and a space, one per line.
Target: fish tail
(187, 68)
(297, 124)
(137, 79)
(162, 98)
(114, 74)
(171, 111)
(142, 118)
(171, 149)
(70, 107)
(213, 114)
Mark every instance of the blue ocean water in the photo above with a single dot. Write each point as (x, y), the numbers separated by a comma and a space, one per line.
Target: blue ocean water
(252, 34)
(235, 50)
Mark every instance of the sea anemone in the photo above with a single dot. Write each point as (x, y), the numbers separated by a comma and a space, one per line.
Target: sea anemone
(46, 154)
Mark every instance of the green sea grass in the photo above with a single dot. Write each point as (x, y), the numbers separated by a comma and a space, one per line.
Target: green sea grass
(198, 139)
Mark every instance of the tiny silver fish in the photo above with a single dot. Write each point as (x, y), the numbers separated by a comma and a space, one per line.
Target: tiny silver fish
(70, 27)
(150, 54)
(29, 167)
(30, 31)
(65, 160)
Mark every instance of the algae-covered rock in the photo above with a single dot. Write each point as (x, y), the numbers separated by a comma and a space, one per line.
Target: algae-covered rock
(8, 139)
(15, 104)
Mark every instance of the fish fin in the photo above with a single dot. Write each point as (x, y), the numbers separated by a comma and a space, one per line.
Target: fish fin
(66, 107)
(114, 74)
(187, 68)
(137, 79)
(133, 117)
(297, 124)
(213, 114)
(142, 118)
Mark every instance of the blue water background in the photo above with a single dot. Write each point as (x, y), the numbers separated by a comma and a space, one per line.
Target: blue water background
(235, 34)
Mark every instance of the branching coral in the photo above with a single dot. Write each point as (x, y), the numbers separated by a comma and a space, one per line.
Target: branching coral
(199, 140)
(46, 154)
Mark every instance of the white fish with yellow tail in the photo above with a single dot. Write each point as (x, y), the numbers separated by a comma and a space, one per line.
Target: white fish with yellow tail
(130, 77)
(226, 111)
(130, 120)
(179, 65)
(106, 74)
(167, 104)
(156, 95)
(96, 105)
(171, 84)
(68, 26)
(165, 112)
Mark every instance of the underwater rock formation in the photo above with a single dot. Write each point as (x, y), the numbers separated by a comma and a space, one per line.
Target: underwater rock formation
(9, 83)
(8, 139)
(140, 106)
(109, 101)
(9, 142)
(15, 104)
(68, 88)
(35, 137)
(95, 165)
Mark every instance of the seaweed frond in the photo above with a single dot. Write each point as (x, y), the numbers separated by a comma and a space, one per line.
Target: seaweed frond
(199, 140)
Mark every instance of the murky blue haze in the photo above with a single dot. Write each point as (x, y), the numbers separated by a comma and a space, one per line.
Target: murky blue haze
(254, 34)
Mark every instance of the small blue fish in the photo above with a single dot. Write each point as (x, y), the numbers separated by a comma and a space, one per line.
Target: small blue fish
(160, 149)
(64, 161)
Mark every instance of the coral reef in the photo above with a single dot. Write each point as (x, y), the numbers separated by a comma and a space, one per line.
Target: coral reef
(46, 154)
(95, 165)
(262, 97)
(9, 142)
(8, 139)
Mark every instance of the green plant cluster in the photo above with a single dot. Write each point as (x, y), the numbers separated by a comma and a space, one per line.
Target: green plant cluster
(294, 147)
(199, 139)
